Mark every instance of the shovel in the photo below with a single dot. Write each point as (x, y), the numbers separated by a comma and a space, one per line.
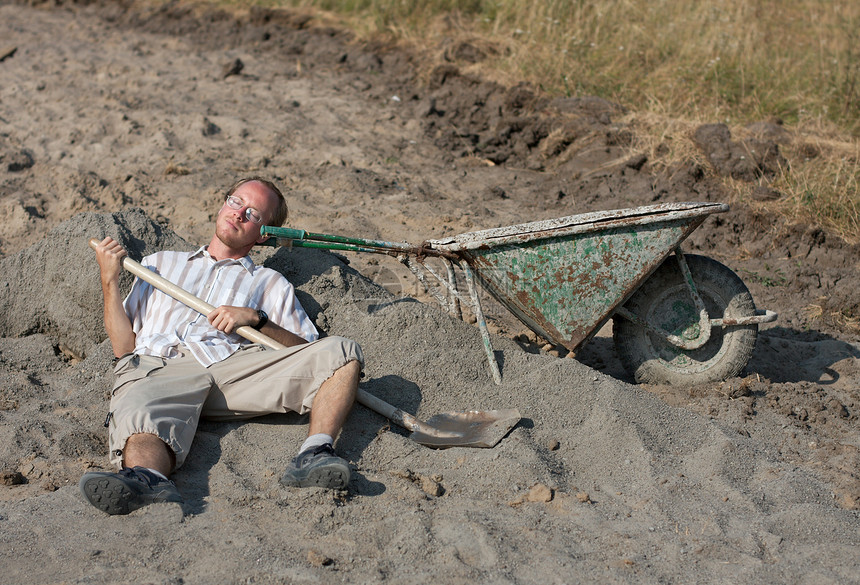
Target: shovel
(475, 428)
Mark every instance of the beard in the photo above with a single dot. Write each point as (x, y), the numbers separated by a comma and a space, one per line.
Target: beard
(234, 238)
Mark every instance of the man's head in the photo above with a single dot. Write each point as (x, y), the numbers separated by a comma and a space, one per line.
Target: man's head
(249, 204)
(280, 215)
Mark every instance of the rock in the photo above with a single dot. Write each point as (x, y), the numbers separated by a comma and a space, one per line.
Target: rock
(18, 161)
(636, 162)
(12, 478)
(319, 560)
(232, 68)
(538, 493)
(430, 485)
(748, 160)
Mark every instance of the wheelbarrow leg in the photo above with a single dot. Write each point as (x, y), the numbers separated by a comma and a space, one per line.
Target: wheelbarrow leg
(452, 303)
(453, 297)
(482, 324)
(452, 306)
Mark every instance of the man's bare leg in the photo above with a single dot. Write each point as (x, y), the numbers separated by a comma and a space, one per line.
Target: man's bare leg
(334, 400)
(146, 450)
(317, 464)
(128, 490)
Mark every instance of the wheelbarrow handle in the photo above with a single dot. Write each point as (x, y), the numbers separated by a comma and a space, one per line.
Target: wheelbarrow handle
(292, 237)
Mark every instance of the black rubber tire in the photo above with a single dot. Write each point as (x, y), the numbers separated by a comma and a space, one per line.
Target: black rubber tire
(664, 300)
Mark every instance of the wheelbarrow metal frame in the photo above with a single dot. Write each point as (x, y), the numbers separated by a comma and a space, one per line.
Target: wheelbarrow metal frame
(564, 278)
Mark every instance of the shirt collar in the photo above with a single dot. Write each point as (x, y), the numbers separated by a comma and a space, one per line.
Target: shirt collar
(245, 261)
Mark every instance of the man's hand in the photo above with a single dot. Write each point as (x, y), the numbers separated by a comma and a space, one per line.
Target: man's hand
(227, 319)
(109, 255)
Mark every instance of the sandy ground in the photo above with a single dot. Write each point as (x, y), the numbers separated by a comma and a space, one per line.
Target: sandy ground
(124, 120)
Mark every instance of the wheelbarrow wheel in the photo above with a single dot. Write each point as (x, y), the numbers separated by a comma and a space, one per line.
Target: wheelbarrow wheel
(665, 301)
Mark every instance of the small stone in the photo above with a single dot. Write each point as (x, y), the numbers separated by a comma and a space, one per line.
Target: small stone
(837, 408)
(319, 560)
(636, 162)
(8, 404)
(18, 161)
(539, 493)
(232, 68)
(431, 487)
(497, 192)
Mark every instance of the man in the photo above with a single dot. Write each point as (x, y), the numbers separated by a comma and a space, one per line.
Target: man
(177, 365)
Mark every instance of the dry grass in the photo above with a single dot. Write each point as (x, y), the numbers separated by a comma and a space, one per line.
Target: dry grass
(675, 64)
(822, 184)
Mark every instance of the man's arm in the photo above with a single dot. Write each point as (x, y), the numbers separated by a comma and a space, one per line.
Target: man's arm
(109, 255)
(227, 319)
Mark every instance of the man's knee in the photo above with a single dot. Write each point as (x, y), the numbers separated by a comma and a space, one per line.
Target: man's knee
(351, 370)
(349, 349)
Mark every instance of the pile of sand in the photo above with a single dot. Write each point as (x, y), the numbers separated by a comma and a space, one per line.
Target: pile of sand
(599, 481)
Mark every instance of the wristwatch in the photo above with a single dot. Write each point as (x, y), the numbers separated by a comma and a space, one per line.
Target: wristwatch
(264, 318)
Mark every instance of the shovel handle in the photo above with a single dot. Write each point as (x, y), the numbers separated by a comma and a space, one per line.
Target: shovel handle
(364, 398)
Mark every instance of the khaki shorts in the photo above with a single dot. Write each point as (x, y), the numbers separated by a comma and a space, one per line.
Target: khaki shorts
(167, 397)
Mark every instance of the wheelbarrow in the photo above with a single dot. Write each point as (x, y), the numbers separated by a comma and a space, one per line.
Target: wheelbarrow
(677, 318)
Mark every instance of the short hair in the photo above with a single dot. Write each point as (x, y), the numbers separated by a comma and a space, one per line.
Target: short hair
(281, 212)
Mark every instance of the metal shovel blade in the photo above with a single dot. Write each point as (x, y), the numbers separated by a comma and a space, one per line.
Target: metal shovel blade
(475, 428)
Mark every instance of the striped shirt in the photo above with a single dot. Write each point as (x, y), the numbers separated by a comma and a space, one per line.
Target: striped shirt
(164, 326)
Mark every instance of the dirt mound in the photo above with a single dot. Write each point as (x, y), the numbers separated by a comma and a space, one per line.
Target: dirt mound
(592, 456)
(53, 287)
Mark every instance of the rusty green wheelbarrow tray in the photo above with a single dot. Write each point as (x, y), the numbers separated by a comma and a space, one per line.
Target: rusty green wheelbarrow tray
(684, 320)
